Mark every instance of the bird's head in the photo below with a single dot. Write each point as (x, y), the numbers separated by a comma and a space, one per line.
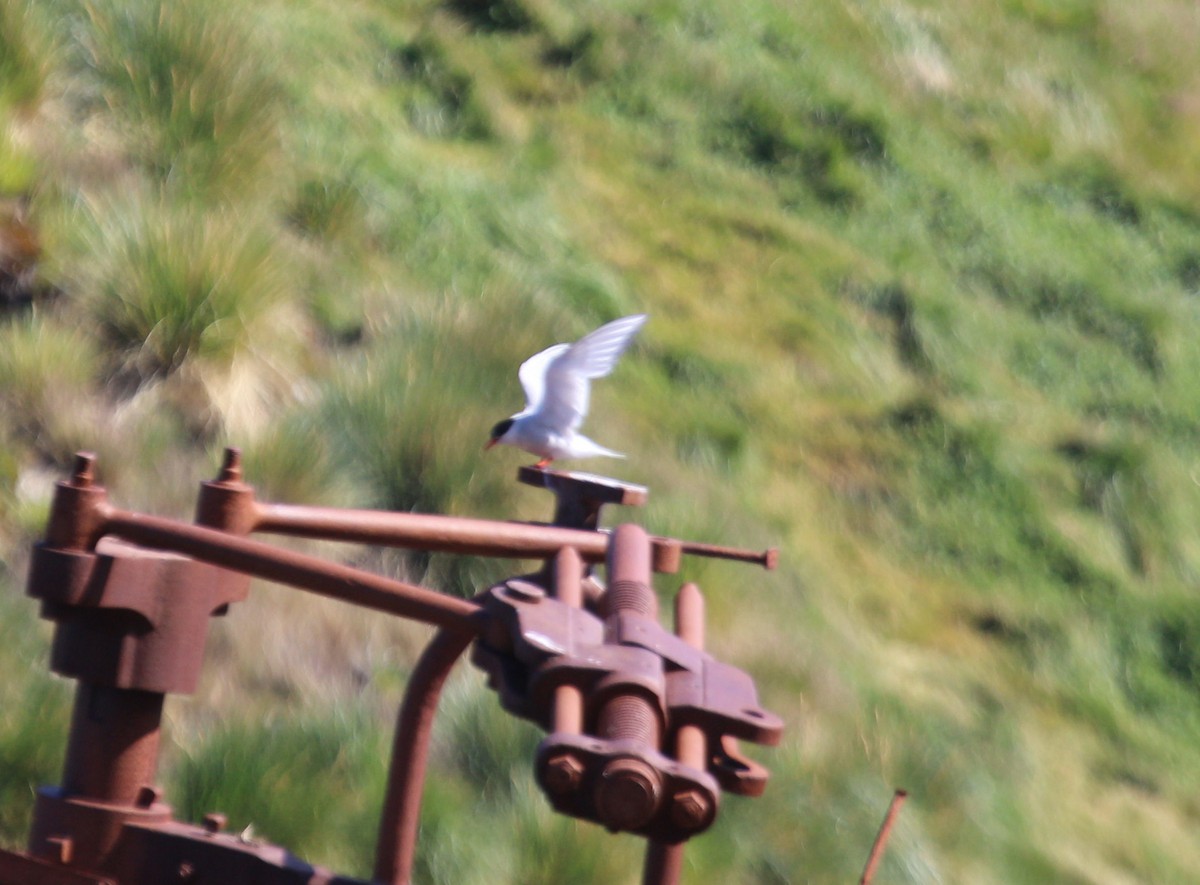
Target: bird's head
(498, 432)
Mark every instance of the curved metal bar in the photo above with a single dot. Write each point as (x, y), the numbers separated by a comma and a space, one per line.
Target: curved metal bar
(399, 823)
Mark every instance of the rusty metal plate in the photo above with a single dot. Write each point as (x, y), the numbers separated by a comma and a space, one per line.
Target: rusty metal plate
(17, 869)
(190, 855)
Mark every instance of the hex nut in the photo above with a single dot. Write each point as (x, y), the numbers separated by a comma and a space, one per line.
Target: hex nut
(563, 774)
(690, 809)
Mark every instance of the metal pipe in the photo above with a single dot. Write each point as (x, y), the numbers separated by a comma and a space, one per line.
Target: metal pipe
(401, 816)
(664, 863)
(885, 830)
(690, 744)
(567, 716)
(458, 534)
(296, 569)
(768, 558)
(423, 531)
(112, 752)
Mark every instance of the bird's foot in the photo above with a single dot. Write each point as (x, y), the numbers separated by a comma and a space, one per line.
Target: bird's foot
(543, 464)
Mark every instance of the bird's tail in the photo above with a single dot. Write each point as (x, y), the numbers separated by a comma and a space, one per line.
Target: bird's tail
(586, 448)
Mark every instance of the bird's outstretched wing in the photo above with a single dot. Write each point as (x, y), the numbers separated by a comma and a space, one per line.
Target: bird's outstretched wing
(560, 376)
(533, 376)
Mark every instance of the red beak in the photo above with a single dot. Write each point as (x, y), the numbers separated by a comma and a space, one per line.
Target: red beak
(489, 444)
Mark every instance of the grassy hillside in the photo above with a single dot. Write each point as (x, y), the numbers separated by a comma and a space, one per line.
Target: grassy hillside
(924, 282)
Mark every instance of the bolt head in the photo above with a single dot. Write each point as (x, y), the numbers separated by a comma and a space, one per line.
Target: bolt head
(628, 794)
(563, 774)
(691, 810)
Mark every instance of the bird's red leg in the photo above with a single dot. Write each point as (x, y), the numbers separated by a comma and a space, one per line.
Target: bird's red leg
(543, 464)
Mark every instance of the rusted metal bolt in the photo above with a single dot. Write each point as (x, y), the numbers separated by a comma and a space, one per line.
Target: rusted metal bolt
(213, 823)
(628, 794)
(690, 809)
(84, 470)
(77, 513)
(231, 466)
(226, 502)
(563, 774)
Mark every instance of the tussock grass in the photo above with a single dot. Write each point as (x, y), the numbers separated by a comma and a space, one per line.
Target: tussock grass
(174, 284)
(291, 461)
(404, 418)
(24, 55)
(48, 376)
(190, 83)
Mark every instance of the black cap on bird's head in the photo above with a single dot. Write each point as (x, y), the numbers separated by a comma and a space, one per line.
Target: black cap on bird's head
(498, 431)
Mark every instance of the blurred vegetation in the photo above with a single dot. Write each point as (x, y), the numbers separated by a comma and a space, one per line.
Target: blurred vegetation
(924, 283)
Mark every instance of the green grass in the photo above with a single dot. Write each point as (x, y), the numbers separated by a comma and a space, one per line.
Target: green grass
(923, 285)
(47, 376)
(192, 88)
(178, 285)
(36, 714)
(23, 54)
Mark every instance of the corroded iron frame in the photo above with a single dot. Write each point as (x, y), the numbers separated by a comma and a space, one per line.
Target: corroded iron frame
(644, 750)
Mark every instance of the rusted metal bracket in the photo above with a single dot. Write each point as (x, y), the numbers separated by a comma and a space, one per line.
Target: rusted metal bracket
(535, 645)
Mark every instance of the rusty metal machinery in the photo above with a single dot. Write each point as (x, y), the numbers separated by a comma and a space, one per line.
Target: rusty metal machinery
(642, 725)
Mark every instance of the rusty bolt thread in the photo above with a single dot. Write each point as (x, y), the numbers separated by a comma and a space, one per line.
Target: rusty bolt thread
(630, 596)
(629, 567)
(563, 774)
(628, 794)
(630, 717)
